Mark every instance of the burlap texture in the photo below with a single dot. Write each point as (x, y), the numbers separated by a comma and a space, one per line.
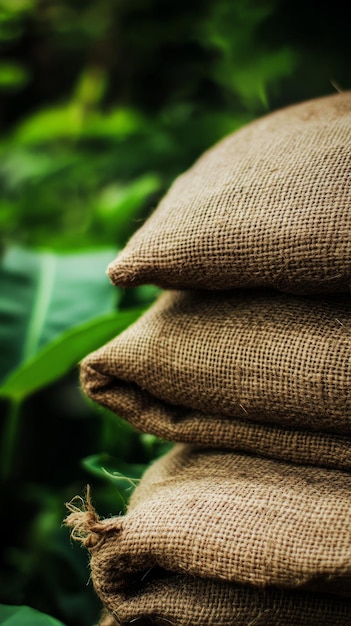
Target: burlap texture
(225, 516)
(269, 205)
(107, 619)
(187, 601)
(254, 370)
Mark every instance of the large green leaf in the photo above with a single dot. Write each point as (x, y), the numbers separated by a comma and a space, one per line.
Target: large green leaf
(64, 352)
(43, 294)
(25, 616)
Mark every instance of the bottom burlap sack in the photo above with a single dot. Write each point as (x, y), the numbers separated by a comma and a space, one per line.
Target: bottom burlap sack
(226, 516)
(176, 600)
(259, 371)
(106, 619)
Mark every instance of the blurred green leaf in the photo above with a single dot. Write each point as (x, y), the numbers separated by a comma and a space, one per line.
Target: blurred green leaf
(25, 616)
(63, 353)
(118, 204)
(20, 165)
(12, 76)
(49, 124)
(154, 446)
(10, 27)
(116, 124)
(44, 293)
(91, 86)
(17, 6)
(72, 121)
(245, 66)
(108, 467)
(124, 476)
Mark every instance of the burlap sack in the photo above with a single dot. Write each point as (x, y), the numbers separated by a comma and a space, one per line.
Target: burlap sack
(225, 517)
(259, 371)
(269, 205)
(107, 619)
(187, 601)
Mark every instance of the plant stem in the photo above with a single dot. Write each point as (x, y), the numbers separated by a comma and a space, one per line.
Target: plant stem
(9, 440)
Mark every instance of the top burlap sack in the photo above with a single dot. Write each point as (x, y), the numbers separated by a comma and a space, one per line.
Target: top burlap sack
(269, 205)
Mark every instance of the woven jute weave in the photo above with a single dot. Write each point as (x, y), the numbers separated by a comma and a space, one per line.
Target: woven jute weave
(253, 370)
(269, 205)
(227, 517)
(176, 600)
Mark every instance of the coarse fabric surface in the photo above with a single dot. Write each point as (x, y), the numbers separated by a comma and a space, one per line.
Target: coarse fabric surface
(226, 516)
(176, 600)
(253, 370)
(107, 619)
(269, 205)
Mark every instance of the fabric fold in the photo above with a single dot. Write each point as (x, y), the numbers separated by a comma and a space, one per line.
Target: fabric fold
(162, 599)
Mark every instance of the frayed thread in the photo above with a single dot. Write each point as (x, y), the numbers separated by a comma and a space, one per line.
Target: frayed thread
(87, 527)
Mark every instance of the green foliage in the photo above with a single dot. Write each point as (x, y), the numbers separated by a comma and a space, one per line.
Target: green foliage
(59, 356)
(25, 616)
(246, 66)
(102, 105)
(12, 76)
(44, 293)
(125, 475)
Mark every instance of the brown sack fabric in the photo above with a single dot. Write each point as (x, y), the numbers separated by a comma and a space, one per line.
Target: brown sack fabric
(107, 619)
(259, 371)
(225, 516)
(175, 600)
(269, 205)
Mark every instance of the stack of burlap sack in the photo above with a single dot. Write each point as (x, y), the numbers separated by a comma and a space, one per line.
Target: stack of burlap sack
(244, 362)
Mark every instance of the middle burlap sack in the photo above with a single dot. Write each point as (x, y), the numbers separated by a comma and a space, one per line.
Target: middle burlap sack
(224, 516)
(259, 371)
